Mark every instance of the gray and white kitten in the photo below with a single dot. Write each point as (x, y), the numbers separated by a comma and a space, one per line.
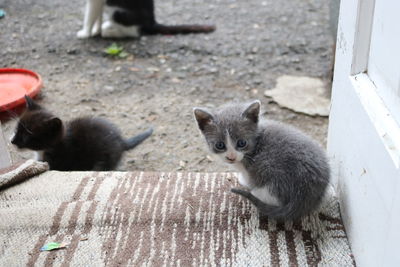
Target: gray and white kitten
(285, 171)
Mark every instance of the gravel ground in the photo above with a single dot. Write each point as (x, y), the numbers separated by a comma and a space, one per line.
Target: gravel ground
(166, 76)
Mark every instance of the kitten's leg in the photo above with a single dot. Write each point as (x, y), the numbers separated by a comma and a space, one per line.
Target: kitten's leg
(94, 10)
(243, 180)
(97, 26)
(267, 210)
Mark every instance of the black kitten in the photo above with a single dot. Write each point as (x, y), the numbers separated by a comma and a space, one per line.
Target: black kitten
(82, 144)
(129, 18)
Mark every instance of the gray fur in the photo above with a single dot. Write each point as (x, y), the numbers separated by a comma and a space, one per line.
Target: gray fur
(279, 157)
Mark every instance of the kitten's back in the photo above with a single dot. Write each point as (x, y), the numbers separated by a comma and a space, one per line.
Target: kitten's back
(283, 141)
(89, 144)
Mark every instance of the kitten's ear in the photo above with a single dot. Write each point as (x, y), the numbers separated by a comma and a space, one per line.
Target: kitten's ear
(203, 117)
(252, 111)
(54, 124)
(30, 104)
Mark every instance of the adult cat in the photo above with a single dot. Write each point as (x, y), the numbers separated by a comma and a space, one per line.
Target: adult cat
(129, 18)
(285, 171)
(82, 144)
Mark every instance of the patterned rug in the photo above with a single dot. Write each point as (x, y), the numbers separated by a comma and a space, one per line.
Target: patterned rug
(157, 219)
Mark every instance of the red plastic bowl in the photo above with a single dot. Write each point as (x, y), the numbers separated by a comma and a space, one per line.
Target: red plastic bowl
(15, 84)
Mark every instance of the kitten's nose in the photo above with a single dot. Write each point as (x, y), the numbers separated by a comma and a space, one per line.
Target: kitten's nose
(230, 158)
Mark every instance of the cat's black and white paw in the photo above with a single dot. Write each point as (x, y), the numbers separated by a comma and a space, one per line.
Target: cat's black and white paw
(84, 33)
(110, 29)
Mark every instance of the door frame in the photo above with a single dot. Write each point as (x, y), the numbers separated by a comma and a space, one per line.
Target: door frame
(363, 145)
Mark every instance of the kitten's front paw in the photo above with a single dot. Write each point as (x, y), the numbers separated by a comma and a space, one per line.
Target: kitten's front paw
(83, 34)
(114, 30)
(96, 31)
(108, 30)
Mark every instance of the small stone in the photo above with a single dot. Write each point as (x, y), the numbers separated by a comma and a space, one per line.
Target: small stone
(295, 60)
(175, 80)
(213, 70)
(153, 69)
(301, 94)
(109, 88)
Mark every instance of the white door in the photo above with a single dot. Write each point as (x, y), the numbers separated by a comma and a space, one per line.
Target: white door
(364, 131)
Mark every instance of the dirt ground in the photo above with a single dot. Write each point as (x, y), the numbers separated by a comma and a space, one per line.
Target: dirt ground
(166, 76)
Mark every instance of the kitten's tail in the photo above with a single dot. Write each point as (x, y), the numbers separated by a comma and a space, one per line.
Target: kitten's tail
(273, 212)
(136, 140)
(177, 29)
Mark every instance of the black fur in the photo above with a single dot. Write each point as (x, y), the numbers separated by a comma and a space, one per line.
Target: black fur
(82, 144)
(141, 13)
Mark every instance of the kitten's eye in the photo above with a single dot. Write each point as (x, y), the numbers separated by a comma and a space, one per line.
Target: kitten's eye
(220, 145)
(241, 143)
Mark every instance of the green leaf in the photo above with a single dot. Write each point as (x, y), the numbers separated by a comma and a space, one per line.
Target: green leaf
(114, 50)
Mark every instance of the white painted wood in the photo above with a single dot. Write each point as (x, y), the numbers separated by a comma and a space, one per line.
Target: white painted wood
(384, 55)
(5, 159)
(363, 144)
(392, 242)
(362, 36)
